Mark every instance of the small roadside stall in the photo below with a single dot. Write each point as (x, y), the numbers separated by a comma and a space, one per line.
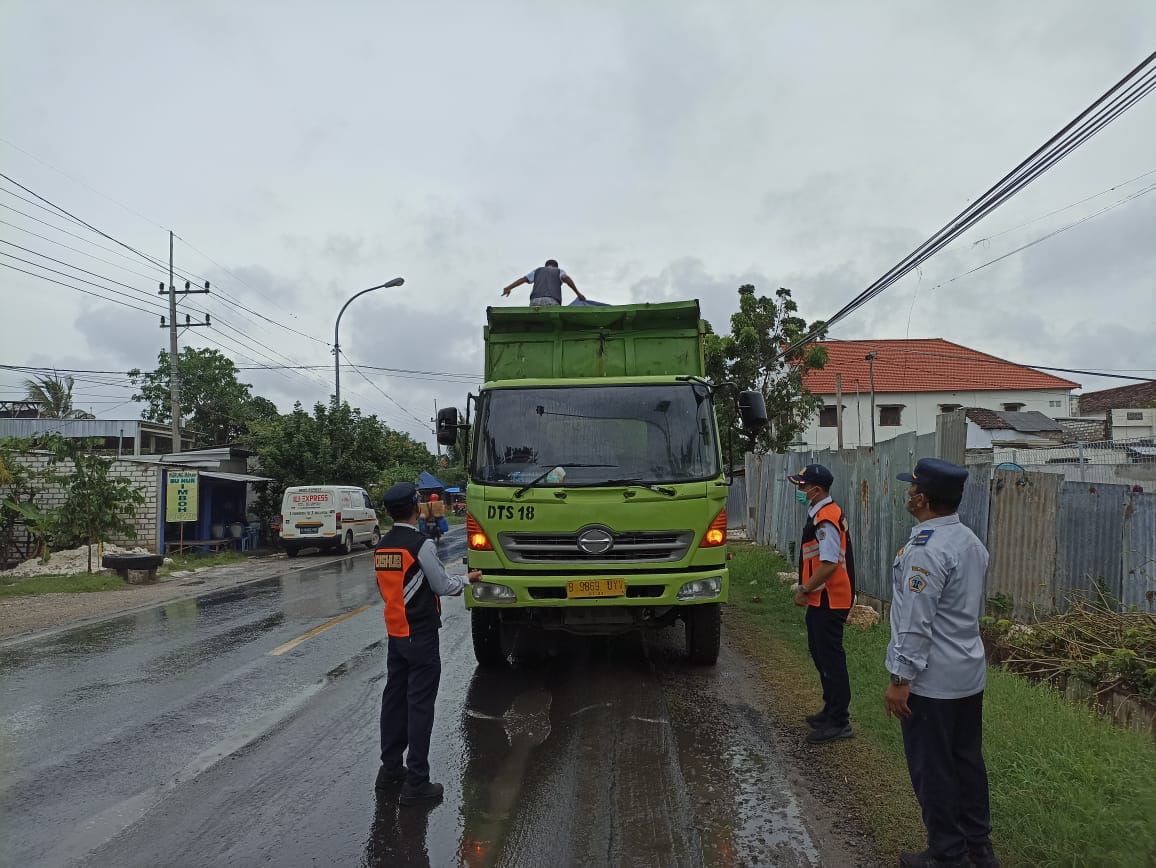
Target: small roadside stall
(206, 511)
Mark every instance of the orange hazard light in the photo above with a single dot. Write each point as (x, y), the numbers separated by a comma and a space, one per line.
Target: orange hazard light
(476, 538)
(716, 534)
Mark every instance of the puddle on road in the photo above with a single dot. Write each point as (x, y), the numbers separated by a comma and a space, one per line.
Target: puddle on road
(746, 811)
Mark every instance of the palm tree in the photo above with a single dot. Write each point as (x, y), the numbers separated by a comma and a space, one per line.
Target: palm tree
(54, 395)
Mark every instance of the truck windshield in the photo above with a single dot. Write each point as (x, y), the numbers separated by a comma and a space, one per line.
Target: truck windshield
(654, 433)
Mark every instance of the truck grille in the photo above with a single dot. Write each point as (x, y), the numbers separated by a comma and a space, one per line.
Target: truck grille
(627, 547)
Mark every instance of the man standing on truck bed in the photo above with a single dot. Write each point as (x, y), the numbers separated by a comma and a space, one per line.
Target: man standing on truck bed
(547, 285)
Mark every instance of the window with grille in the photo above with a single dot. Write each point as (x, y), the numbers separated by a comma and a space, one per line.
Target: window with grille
(949, 408)
(891, 416)
(1014, 407)
(829, 417)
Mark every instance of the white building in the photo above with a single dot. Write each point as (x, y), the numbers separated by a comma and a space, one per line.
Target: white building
(916, 380)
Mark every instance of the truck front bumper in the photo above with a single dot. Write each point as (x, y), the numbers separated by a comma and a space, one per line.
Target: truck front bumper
(507, 589)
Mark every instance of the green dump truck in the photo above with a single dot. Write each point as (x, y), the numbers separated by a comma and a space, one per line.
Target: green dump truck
(597, 490)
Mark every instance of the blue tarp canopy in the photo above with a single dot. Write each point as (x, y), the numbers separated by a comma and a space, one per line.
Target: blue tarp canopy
(454, 490)
(428, 482)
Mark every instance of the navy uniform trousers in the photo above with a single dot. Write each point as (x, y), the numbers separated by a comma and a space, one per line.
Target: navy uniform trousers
(413, 670)
(825, 642)
(943, 742)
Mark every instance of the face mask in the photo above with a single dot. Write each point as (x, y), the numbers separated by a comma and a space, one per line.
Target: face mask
(801, 496)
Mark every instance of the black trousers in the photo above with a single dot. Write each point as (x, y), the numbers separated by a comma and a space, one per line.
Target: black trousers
(825, 641)
(943, 742)
(413, 671)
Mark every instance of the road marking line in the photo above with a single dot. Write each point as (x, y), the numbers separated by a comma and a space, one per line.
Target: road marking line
(320, 628)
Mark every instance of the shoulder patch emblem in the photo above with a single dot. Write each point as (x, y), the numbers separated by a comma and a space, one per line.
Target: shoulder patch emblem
(922, 537)
(917, 584)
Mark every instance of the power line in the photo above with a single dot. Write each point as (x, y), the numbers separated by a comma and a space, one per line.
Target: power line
(1065, 208)
(78, 289)
(1134, 86)
(1051, 234)
(75, 268)
(384, 394)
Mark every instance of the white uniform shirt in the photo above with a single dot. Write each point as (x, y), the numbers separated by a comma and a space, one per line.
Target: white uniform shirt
(938, 584)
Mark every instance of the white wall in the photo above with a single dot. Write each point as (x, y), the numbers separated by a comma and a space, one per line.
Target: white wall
(1124, 428)
(919, 412)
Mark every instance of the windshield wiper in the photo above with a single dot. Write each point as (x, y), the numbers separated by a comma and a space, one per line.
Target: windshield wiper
(542, 476)
(661, 489)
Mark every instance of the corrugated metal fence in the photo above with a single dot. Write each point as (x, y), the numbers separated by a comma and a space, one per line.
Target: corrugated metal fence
(1050, 540)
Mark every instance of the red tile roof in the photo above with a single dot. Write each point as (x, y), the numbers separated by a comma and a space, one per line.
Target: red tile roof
(924, 365)
(1121, 398)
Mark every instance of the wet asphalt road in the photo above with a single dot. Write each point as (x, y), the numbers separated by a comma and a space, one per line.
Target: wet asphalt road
(240, 728)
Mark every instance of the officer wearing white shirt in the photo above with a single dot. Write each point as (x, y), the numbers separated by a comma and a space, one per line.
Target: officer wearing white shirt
(938, 669)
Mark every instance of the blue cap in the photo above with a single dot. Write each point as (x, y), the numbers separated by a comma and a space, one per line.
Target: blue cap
(936, 477)
(813, 474)
(400, 494)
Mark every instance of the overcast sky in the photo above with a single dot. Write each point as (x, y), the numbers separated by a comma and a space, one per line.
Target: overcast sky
(657, 150)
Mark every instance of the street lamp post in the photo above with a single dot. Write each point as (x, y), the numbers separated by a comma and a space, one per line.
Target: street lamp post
(397, 281)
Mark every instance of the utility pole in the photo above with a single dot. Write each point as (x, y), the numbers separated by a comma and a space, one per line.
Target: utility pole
(858, 415)
(839, 408)
(174, 368)
(870, 357)
(435, 421)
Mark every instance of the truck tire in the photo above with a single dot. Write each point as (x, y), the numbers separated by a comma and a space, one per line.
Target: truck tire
(486, 627)
(346, 546)
(704, 633)
(373, 541)
(292, 551)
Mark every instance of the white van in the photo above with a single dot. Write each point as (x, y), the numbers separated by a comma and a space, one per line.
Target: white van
(327, 517)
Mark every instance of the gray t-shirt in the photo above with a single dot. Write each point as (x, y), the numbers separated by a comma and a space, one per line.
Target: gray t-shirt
(547, 282)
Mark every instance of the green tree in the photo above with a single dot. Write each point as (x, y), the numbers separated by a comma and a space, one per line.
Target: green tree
(54, 395)
(20, 485)
(214, 402)
(96, 504)
(750, 357)
(331, 445)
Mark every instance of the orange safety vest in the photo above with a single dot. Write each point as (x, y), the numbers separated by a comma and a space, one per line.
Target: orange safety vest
(839, 591)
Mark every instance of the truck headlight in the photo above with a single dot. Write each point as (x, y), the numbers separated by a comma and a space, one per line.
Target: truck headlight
(700, 588)
(487, 592)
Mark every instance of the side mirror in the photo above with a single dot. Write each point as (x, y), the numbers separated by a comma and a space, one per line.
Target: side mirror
(447, 426)
(753, 411)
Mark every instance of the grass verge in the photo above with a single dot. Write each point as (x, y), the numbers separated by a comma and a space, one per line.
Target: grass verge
(1067, 788)
(76, 583)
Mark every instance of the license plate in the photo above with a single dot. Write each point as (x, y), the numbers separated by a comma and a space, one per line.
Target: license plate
(309, 529)
(595, 588)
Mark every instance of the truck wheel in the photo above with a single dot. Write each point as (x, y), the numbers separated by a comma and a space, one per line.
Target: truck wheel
(292, 551)
(375, 539)
(346, 547)
(486, 626)
(703, 633)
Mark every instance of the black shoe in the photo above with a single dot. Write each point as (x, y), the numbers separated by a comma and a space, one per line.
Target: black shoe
(830, 733)
(817, 720)
(927, 860)
(411, 794)
(982, 855)
(388, 778)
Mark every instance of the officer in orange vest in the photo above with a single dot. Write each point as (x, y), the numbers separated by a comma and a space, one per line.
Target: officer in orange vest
(827, 589)
(412, 580)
